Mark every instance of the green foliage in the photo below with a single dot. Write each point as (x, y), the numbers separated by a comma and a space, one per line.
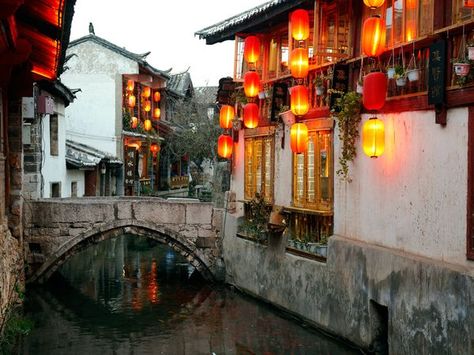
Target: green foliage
(400, 71)
(347, 116)
(16, 326)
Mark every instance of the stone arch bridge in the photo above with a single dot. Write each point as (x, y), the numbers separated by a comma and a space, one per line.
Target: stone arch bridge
(56, 229)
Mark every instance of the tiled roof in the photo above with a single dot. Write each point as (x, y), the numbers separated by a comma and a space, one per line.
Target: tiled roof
(180, 83)
(139, 58)
(205, 94)
(79, 155)
(225, 30)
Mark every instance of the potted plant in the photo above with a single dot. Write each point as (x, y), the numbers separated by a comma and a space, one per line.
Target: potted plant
(346, 112)
(319, 84)
(413, 72)
(287, 116)
(400, 75)
(462, 66)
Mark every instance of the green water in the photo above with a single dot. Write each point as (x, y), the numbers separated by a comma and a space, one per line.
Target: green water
(131, 295)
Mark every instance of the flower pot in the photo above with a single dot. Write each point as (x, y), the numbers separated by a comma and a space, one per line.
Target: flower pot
(413, 75)
(261, 95)
(401, 81)
(470, 53)
(391, 72)
(462, 69)
(319, 90)
(288, 117)
(359, 89)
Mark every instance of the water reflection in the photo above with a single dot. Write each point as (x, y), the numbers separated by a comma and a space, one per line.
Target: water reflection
(131, 295)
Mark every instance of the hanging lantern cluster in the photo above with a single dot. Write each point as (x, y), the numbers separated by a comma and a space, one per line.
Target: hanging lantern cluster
(156, 105)
(252, 83)
(373, 132)
(373, 36)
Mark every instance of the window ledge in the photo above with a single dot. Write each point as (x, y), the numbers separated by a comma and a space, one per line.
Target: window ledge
(307, 211)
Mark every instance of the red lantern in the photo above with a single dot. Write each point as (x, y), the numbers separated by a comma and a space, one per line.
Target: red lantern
(226, 116)
(156, 96)
(147, 125)
(410, 4)
(373, 4)
(299, 25)
(130, 85)
(469, 3)
(156, 113)
(251, 49)
(299, 64)
(251, 115)
(147, 106)
(131, 101)
(146, 92)
(373, 36)
(134, 122)
(155, 148)
(299, 138)
(224, 146)
(299, 100)
(375, 91)
(251, 84)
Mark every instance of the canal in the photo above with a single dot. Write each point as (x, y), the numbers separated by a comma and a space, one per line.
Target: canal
(131, 295)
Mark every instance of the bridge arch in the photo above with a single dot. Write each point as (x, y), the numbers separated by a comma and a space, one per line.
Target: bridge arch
(108, 230)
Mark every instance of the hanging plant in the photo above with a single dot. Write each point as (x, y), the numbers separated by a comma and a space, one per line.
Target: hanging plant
(347, 115)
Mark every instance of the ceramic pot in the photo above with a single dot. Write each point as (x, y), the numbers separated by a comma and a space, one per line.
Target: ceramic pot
(470, 53)
(288, 117)
(391, 73)
(462, 69)
(402, 81)
(319, 90)
(359, 89)
(413, 75)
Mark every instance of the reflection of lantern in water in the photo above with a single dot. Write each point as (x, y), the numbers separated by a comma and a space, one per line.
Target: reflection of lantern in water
(153, 287)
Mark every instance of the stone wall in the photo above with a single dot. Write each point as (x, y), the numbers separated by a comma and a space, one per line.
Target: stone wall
(430, 305)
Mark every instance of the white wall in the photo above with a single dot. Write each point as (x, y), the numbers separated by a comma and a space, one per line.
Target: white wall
(95, 117)
(413, 197)
(77, 176)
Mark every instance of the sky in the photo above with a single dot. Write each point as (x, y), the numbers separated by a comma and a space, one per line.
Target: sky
(166, 28)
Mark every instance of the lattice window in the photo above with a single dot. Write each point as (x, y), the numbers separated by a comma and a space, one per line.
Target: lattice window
(259, 167)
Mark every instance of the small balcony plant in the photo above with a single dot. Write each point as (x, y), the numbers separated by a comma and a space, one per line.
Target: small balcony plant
(400, 75)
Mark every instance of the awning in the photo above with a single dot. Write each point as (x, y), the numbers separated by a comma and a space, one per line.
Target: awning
(82, 156)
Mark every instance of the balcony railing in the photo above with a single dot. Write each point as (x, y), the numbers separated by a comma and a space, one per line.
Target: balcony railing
(179, 182)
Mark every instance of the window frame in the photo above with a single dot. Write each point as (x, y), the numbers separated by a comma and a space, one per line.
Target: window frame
(54, 135)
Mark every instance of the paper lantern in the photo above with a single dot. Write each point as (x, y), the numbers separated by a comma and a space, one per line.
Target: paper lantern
(155, 148)
(130, 85)
(373, 137)
(134, 122)
(156, 96)
(251, 84)
(146, 92)
(224, 146)
(156, 113)
(469, 3)
(299, 25)
(251, 49)
(373, 36)
(132, 101)
(226, 116)
(375, 90)
(251, 115)
(147, 106)
(147, 125)
(373, 4)
(299, 138)
(410, 4)
(299, 101)
(299, 64)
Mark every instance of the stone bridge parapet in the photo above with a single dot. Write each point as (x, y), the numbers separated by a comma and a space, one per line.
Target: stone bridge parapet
(55, 229)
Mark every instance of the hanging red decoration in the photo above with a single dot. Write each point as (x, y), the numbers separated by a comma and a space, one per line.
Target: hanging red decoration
(134, 122)
(147, 125)
(251, 84)
(226, 116)
(251, 115)
(469, 3)
(299, 21)
(147, 106)
(251, 49)
(299, 102)
(299, 64)
(375, 90)
(411, 4)
(224, 146)
(299, 138)
(156, 96)
(132, 101)
(373, 36)
(130, 85)
(156, 113)
(373, 4)
(146, 92)
(155, 149)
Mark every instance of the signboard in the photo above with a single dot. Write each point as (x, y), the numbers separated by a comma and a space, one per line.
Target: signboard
(130, 163)
(225, 90)
(279, 99)
(340, 81)
(437, 73)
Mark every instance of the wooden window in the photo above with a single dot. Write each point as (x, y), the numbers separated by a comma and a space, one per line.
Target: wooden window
(55, 189)
(240, 65)
(74, 189)
(259, 167)
(53, 135)
(461, 13)
(313, 173)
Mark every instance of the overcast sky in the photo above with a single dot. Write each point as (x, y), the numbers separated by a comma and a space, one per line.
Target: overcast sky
(166, 28)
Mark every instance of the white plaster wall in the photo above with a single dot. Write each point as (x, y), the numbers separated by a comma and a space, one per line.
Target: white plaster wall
(413, 197)
(283, 168)
(95, 117)
(54, 167)
(77, 176)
